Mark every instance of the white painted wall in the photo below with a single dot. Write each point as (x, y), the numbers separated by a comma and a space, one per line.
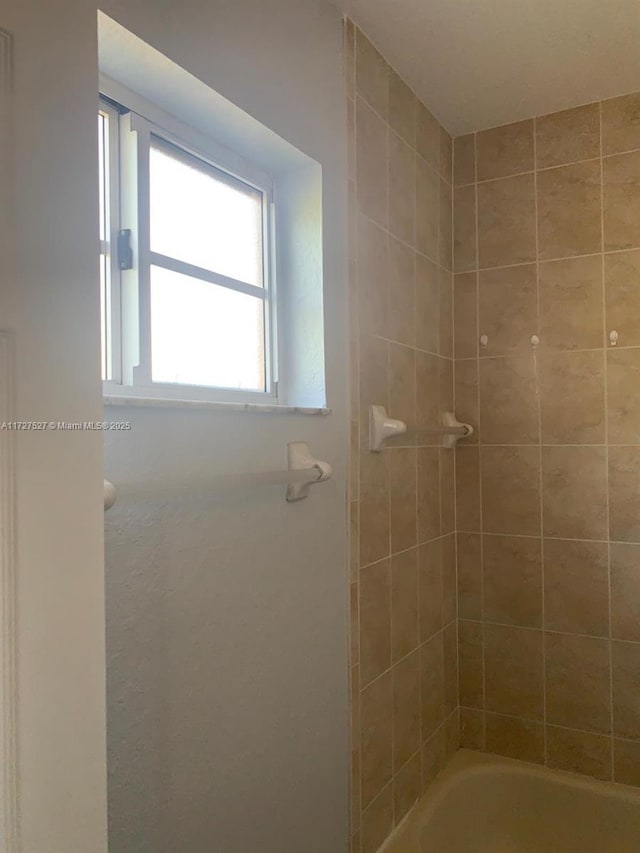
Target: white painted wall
(48, 298)
(226, 614)
(227, 621)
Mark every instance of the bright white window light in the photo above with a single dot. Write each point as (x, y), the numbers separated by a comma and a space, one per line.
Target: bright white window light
(208, 330)
(104, 271)
(203, 334)
(204, 217)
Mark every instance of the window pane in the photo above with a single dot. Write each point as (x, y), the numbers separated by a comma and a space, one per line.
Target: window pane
(203, 334)
(203, 217)
(102, 172)
(103, 201)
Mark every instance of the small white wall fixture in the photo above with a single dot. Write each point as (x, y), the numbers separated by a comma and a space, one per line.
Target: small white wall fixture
(312, 470)
(9, 832)
(109, 495)
(382, 427)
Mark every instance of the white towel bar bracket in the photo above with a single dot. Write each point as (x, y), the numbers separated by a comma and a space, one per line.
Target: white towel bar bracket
(109, 495)
(300, 458)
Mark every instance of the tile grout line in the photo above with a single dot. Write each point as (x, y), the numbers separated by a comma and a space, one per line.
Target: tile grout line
(441, 392)
(552, 538)
(356, 307)
(413, 248)
(387, 670)
(543, 261)
(602, 156)
(519, 627)
(538, 721)
(392, 780)
(416, 464)
(538, 392)
(454, 450)
(352, 252)
(451, 395)
(535, 444)
(606, 438)
(439, 410)
(420, 543)
(369, 105)
(537, 168)
(479, 404)
(409, 346)
(518, 353)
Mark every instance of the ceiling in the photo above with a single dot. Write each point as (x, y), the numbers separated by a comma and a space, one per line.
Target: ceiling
(482, 63)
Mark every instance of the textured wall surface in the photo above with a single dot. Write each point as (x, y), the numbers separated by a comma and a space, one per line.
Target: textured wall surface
(547, 243)
(403, 589)
(227, 609)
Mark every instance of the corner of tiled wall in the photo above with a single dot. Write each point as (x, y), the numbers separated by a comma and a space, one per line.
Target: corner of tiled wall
(547, 244)
(522, 548)
(404, 680)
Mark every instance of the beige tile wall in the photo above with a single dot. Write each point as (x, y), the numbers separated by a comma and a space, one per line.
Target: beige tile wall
(404, 680)
(547, 243)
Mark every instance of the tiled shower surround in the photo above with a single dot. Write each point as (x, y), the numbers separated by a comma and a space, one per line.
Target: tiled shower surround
(547, 244)
(541, 610)
(403, 575)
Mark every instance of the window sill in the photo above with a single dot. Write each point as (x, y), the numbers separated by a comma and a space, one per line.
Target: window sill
(210, 405)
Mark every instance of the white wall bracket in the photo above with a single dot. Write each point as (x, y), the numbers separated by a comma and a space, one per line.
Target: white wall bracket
(453, 430)
(382, 427)
(109, 495)
(300, 458)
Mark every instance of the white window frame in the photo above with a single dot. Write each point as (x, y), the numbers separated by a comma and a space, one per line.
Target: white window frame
(128, 321)
(110, 339)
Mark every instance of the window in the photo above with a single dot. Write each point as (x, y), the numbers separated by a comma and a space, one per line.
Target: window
(105, 149)
(187, 265)
(212, 246)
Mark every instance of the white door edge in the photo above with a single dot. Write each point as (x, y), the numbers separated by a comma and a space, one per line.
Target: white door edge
(9, 823)
(9, 831)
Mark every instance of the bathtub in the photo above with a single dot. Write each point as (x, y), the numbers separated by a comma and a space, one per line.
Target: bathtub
(484, 804)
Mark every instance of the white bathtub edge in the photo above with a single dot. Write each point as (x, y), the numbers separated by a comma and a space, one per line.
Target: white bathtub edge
(468, 762)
